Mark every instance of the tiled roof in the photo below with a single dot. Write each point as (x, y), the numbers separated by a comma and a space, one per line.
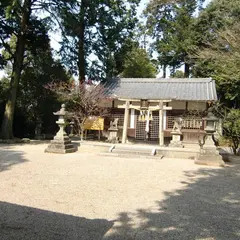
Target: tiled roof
(191, 89)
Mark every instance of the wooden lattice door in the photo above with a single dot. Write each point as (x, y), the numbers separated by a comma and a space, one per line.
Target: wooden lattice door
(153, 129)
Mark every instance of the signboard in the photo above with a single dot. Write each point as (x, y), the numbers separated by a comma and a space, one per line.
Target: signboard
(94, 123)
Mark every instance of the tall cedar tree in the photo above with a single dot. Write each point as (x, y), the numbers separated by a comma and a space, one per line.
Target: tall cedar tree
(95, 28)
(170, 24)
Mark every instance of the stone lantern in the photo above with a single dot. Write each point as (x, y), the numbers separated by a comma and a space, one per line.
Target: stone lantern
(209, 154)
(210, 128)
(61, 142)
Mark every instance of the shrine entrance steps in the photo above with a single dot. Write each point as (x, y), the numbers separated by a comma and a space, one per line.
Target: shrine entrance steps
(140, 150)
(128, 151)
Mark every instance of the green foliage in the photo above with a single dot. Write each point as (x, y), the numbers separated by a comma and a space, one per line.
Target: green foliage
(4, 86)
(138, 65)
(177, 74)
(231, 127)
(218, 54)
(208, 46)
(23, 33)
(33, 97)
(121, 54)
(230, 119)
(29, 66)
(35, 102)
(170, 23)
(96, 27)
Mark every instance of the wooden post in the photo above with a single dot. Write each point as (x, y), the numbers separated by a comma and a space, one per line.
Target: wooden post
(125, 124)
(161, 134)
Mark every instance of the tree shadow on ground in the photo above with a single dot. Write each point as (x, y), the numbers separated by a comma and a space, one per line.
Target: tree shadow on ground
(207, 208)
(10, 157)
(21, 222)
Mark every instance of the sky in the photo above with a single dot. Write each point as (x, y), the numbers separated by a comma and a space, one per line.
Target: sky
(142, 5)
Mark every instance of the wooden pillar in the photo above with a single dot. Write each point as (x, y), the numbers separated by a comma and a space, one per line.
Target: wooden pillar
(132, 118)
(164, 119)
(125, 123)
(161, 134)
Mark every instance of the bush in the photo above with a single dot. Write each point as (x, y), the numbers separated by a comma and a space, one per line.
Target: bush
(231, 128)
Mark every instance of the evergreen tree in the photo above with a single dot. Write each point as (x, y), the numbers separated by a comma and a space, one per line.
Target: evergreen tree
(138, 65)
(170, 24)
(19, 20)
(16, 20)
(97, 28)
(218, 54)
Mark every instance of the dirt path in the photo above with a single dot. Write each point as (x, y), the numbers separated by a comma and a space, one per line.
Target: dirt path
(87, 196)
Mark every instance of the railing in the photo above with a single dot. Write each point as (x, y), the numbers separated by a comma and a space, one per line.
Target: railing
(188, 123)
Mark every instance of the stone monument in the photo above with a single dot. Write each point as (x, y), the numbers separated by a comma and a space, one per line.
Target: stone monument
(61, 142)
(176, 133)
(209, 154)
(113, 131)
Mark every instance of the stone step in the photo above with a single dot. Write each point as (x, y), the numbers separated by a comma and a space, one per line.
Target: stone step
(134, 151)
(60, 150)
(130, 155)
(61, 146)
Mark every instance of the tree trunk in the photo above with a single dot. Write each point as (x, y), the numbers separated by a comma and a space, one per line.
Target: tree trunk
(81, 52)
(235, 142)
(186, 70)
(7, 124)
(164, 71)
(173, 70)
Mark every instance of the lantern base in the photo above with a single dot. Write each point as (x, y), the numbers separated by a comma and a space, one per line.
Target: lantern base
(210, 157)
(61, 146)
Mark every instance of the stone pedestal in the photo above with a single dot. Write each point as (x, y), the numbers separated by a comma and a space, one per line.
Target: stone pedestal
(61, 142)
(113, 135)
(209, 154)
(176, 139)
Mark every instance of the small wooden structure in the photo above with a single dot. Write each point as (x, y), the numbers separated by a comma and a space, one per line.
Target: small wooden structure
(93, 123)
(147, 108)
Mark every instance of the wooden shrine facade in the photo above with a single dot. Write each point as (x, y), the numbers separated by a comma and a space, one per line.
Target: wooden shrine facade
(147, 108)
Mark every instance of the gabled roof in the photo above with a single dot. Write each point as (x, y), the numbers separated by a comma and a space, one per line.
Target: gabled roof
(191, 89)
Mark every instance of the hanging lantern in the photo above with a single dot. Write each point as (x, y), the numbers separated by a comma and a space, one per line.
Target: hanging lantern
(150, 116)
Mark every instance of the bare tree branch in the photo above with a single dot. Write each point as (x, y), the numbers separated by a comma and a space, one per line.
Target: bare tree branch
(83, 100)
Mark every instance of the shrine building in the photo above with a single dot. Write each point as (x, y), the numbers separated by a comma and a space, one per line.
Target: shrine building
(147, 107)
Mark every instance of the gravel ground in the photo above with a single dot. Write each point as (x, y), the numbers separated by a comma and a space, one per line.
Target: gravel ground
(87, 196)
